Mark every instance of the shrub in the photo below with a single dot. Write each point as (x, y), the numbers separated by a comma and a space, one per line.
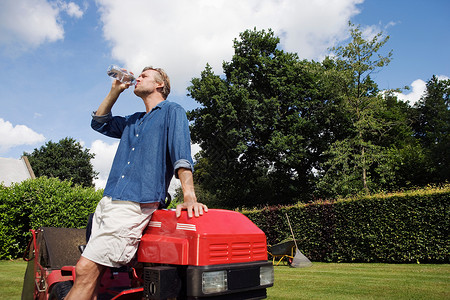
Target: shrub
(395, 228)
(41, 202)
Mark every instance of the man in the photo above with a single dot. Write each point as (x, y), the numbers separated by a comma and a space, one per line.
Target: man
(154, 145)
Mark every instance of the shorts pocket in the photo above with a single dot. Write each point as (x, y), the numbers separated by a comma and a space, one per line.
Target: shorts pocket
(125, 249)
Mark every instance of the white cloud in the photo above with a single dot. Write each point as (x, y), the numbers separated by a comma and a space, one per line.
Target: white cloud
(102, 162)
(12, 136)
(370, 31)
(418, 89)
(182, 36)
(71, 8)
(443, 77)
(195, 148)
(27, 24)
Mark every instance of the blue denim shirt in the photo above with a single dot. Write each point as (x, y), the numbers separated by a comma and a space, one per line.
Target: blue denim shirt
(152, 147)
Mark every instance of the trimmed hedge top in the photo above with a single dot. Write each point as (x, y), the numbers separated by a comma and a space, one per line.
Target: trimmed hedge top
(41, 202)
(398, 228)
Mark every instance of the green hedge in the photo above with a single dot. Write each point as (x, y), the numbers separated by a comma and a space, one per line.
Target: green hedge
(41, 202)
(396, 228)
(409, 227)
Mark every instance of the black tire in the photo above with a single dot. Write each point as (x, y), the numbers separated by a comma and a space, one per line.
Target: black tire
(60, 290)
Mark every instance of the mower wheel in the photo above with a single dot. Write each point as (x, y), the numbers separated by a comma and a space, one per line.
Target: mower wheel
(60, 290)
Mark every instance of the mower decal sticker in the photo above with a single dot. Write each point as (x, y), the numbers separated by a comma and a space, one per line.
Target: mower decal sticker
(190, 227)
(155, 224)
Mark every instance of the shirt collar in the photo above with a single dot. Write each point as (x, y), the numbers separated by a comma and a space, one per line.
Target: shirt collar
(159, 105)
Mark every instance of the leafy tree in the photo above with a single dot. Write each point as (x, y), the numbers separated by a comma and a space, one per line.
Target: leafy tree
(432, 127)
(258, 125)
(406, 162)
(65, 160)
(276, 129)
(352, 159)
(406, 167)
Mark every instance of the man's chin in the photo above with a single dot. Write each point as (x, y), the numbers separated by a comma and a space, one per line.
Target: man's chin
(137, 92)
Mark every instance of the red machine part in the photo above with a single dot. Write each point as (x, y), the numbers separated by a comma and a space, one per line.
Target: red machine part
(218, 237)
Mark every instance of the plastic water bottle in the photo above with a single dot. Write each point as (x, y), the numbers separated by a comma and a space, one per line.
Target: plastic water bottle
(121, 75)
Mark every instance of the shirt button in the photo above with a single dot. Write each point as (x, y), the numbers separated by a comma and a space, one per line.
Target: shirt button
(137, 135)
(132, 149)
(123, 176)
(128, 162)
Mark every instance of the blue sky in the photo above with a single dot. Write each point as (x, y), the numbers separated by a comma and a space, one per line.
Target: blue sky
(54, 54)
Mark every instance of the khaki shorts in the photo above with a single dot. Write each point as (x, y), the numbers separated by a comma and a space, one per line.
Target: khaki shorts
(117, 228)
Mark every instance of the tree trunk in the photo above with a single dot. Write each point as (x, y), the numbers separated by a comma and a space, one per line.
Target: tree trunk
(364, 170)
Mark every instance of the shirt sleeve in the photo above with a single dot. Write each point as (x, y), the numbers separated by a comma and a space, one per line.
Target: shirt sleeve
(108, 125)
(179, 140)
(101, 119)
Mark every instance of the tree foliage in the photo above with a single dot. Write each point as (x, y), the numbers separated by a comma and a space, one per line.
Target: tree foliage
(257, 125)
(275, 129)
(353, 159)
(66, 160)
(432, 127)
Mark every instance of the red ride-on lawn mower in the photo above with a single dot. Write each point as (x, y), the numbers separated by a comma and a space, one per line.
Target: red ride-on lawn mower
(221, 255)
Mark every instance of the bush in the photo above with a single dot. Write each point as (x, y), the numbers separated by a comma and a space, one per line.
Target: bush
(395, 228)
(41, 202)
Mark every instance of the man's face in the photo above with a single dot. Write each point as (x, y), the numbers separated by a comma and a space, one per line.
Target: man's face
(146, 84)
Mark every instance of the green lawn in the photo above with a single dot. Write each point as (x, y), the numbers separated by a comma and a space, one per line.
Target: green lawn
(321, 281)
(11, 278)
(362, 281)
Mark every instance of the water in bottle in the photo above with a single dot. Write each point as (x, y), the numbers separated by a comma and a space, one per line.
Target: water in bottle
(121, 74)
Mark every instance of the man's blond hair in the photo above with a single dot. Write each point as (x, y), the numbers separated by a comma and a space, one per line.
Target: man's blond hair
(161, 77)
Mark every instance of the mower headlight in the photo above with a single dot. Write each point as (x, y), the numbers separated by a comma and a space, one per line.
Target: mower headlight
(266, 276)
(214, 282)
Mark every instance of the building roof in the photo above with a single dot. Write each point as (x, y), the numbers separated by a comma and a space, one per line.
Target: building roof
(15, 170)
